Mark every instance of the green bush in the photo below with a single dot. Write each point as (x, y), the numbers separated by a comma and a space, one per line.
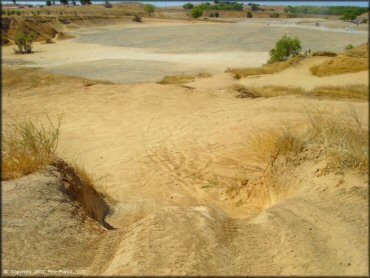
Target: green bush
(249, 14)
(211, 15)
(137, 18)
(254, 7)
(24, 41)
(3, 12)
(18, 13)
(217, 14)
(196, 12)
(149, 8)
(285, 48)
(188, 6)
(349, 15)
(349, 47)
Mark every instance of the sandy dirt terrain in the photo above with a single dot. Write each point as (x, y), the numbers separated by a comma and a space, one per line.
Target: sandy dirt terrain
(184, 193)
(145, 52)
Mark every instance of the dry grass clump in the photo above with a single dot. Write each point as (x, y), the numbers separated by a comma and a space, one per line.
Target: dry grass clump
(341, 138)
(85, 177)
(179, 79)
(27, 147)
(355, 91)
(269, 144)
(265, 69)
(267, 91)
(354, 60)
(324, 53)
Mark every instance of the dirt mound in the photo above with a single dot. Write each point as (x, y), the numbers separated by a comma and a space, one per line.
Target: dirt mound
(44, 227)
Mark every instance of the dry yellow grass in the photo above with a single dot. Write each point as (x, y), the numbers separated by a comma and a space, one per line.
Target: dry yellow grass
(267, 91)
(179, 79)
(341, 138)
(27, 147)
(354, 60)
(85, 177)
(265, 69)
(355, 91)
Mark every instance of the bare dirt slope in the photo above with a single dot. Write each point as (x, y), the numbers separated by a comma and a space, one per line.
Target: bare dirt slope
(187, 196)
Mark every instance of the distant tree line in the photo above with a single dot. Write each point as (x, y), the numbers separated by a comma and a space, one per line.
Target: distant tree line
(218, 5)
(349, 12)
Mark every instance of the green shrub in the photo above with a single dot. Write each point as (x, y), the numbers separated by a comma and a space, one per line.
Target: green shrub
(18, 13)
(211, 15)
(24, 41)
(254, 7)
(349, 47)
(285, 48)
(249, 14)
(149, 8)
(196, 12)
(349, 15)
(217, 14)
(188, 6)
(3, 12)
(137, 18)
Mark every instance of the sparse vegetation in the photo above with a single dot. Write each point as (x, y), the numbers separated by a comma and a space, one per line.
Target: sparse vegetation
(188, 6)
(349, 47)
(285, 48)
(265, 69)
(137, 18)
(108, 5)
(196, 12)
(354, 92)
(267, 91)
(341, 140)
(28, 146)
(274, 15)
(340, 65)
(24, 41)
(249, 14)
(149, 8)
(178, 79)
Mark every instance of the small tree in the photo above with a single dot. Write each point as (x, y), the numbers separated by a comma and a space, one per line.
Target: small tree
(349, 15)
(149, 8)
(64, 2)
(24, 41)
(285, 48)
(188, 6)
(196, 12)
(249, 14)
(48, 3)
